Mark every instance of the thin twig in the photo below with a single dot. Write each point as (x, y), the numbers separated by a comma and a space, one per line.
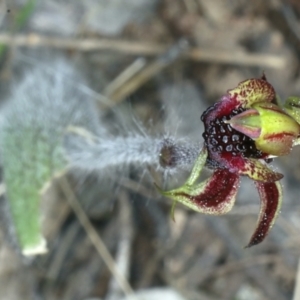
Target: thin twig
(143, 48)
(291, 19)
(124, 76)
(257, 274)
(132, 84)
(297, 284)
(124, 246)
(94, 237)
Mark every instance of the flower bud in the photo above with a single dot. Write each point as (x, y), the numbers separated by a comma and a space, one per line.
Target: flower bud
(273, 130)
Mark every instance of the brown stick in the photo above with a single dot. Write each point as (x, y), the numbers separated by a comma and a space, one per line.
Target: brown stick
(142, 48)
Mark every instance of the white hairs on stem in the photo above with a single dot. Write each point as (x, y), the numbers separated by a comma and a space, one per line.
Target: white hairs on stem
(163, 153)
(49, 123)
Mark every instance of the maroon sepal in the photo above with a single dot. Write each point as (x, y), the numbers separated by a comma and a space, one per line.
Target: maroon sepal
(271, 197)
(219, 193)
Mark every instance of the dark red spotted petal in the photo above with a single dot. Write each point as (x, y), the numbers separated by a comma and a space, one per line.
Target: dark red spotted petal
(214, 196)
(243, 96)
(271, 197)
(258, 171)
(252, 91)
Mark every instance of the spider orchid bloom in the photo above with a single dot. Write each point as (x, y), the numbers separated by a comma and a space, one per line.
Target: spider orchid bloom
(242, 132)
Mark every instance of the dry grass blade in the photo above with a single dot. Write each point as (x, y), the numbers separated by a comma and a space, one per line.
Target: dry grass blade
(95, 238)
(124, 251)
(145, 49)
(257, 273)
(297, 284)
(149, 71)
(124, 76)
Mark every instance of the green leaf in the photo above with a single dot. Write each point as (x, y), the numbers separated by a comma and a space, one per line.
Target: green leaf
(29, 161)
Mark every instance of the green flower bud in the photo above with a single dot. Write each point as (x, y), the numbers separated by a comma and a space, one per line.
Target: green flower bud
(272, 129)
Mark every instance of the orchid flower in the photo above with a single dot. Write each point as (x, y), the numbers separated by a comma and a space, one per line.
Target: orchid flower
(243, 132)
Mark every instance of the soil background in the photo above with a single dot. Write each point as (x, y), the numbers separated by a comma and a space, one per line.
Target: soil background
(172, 59)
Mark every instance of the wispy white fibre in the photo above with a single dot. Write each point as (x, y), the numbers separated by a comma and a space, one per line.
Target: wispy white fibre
(136, 150)
(50, 99)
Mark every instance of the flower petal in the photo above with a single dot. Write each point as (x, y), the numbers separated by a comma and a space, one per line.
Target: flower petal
(244, 95)
(248, 122)
(252, 91)
(215, 196)
(271, 198)
(258, 171)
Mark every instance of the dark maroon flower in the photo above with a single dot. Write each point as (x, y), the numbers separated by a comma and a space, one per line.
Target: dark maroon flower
(243, 131)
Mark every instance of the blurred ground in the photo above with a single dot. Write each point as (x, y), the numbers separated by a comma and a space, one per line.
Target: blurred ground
(218, 43)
